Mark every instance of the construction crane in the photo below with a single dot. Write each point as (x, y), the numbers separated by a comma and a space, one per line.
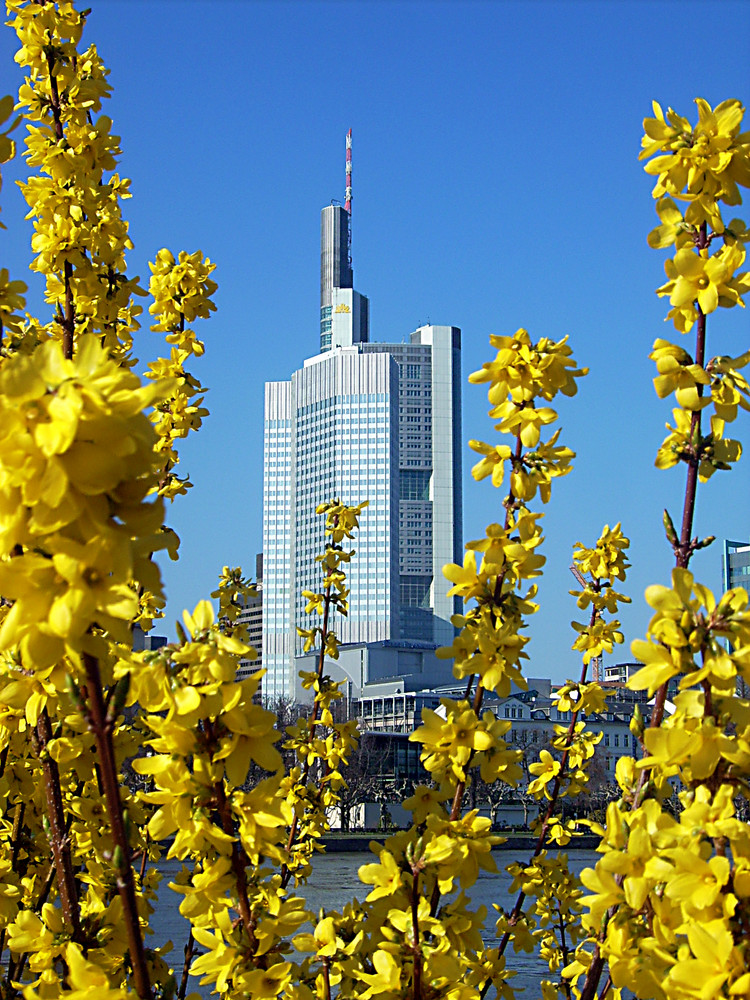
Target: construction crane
(596, 661)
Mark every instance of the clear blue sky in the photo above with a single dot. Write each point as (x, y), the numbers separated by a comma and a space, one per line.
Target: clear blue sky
(496, 185)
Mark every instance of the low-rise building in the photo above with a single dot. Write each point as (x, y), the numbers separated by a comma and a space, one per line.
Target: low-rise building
(373, 671)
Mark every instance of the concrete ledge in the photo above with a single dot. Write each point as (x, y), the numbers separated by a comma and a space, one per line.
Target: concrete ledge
(353, 842)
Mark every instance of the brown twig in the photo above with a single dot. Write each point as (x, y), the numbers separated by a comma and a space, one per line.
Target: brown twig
(286, 872)
(144, 861)
(417, 950)
(606, 988)
(101, 724)
(59, 840)
(189, 952)
(58, 837)
(683, 552)
(327, 978)
(554, 795)
(460, 791)
(479, 693)
(67, 320)
(563, 949)
(15, 841)
(239, 861)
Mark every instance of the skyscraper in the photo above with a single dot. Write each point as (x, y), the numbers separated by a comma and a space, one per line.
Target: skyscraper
(735, 564)
(362, 421)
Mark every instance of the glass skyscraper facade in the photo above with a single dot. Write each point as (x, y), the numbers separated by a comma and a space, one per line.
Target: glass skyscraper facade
(736, 565)
(429, 459)
(346, 446)
(362, 421)
(277, 486)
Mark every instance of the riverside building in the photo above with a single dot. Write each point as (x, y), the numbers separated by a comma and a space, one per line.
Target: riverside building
(372, 421)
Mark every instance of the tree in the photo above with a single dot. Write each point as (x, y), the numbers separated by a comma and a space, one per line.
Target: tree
(600, 790)
(369, 777)
(495, 795)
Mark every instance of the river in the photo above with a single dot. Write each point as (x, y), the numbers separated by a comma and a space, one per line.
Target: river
(335, 881)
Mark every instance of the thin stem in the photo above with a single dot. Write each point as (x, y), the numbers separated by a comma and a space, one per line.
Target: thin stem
(685, 549)
(479, 693)
(189, 952)
(239, 862)
(68, 319)
(101, 725)
(460, 791)
(15, 840)
(554, 795)
(286, 873)
(59, 839)
(169, 464)
(327, 978)
(239, 858)
(563, 949)
(144, 861)
(417, 979)
(15, 970)
(683, 552)
(594, 975)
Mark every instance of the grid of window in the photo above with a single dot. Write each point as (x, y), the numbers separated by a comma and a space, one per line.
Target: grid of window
(414, 591)
(276, 549)
(414, 484)
(345, 449)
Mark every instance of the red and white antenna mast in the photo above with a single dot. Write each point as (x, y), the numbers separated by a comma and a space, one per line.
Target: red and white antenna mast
(348, 198)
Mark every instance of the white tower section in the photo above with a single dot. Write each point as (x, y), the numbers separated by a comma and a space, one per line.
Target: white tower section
(445, 480)
(277, 575)
(345, 446)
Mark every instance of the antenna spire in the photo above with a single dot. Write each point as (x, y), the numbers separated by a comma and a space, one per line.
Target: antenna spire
(348, 197)
(348, 200)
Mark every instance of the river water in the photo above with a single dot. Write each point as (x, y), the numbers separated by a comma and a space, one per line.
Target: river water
(335, 881)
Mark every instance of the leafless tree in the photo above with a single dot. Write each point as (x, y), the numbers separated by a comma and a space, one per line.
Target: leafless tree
(370, 777)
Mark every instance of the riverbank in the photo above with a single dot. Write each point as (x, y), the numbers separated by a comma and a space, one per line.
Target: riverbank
(340, 843)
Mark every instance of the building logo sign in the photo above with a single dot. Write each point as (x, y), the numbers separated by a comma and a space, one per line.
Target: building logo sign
(342, 307)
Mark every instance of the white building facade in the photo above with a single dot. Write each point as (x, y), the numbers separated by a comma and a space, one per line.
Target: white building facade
(362, 421)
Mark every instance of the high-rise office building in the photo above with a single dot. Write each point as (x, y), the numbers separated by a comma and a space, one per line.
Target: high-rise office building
(362, 421)
(736, 564)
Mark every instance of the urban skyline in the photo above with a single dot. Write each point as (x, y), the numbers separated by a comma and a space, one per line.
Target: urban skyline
(497, 185)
